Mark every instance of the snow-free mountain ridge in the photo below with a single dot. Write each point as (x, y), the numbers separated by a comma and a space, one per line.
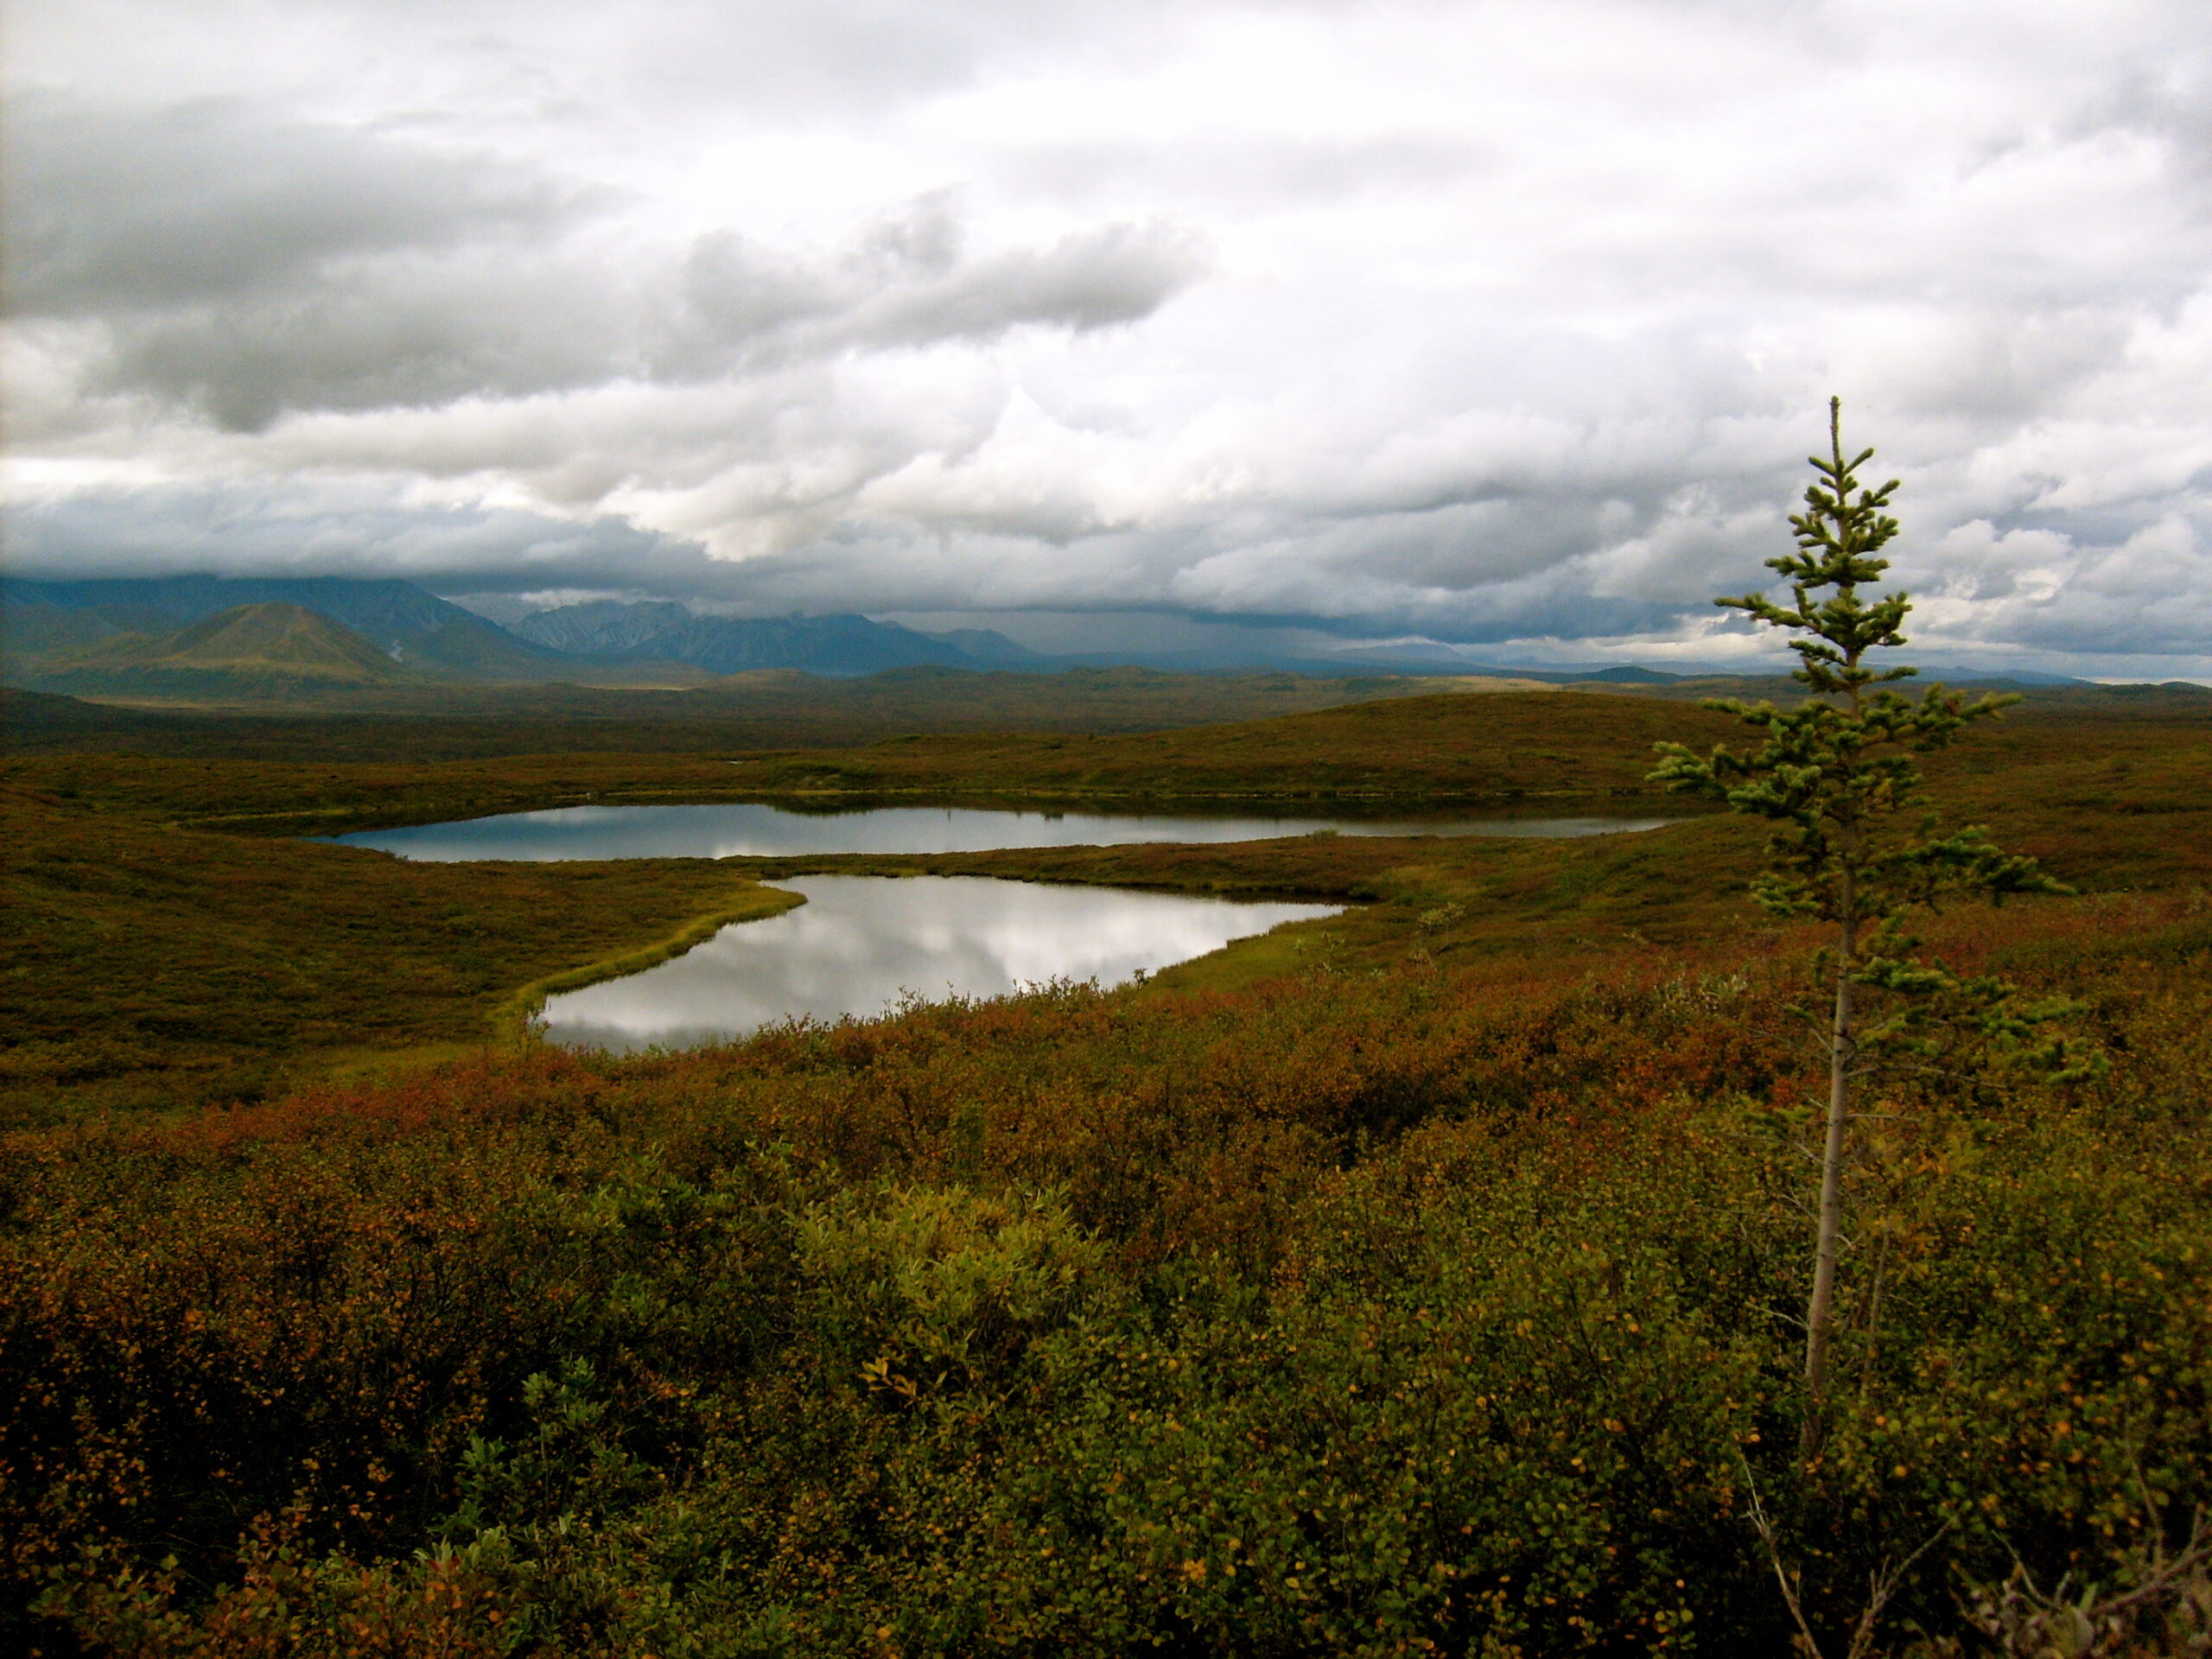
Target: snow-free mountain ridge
(43, 624)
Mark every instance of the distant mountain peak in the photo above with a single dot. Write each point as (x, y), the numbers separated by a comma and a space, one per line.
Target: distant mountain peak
(837, 644)
(404, 622)
(989, 645)
(265, 641)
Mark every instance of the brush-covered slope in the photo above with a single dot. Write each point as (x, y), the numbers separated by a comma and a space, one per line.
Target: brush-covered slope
(1497, 747)
(412, 627)
(31, 633)
(155, 964)
(253, 649)
(769, 708)
(838, 645)
(1414, 1293)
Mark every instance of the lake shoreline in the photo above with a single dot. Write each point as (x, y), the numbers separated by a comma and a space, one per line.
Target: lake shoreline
(862, 947)
(770, 829)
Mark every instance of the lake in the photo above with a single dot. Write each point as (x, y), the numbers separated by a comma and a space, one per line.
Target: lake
(757, 830)
(862, 945)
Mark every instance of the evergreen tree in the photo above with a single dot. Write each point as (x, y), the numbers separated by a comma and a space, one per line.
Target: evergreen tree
(1834, 775)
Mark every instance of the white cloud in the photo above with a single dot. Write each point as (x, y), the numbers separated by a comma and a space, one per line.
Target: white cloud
(1483, 319)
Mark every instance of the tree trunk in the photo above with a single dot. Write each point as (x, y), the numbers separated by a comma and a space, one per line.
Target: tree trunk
(1821, 1313)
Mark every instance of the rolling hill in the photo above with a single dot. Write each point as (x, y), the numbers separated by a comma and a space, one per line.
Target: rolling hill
(408, 626)
(254, 648)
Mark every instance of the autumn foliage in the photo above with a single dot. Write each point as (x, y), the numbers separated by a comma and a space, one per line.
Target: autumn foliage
(1432, 1308)
(1429, 1280)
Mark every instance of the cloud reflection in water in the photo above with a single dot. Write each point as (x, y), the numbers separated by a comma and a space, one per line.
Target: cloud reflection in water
(755, 829)
(860, 943)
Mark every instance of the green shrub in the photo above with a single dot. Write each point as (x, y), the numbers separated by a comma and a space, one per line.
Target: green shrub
(926, 1287)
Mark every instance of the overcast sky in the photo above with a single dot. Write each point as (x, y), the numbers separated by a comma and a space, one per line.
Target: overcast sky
(1508, 324)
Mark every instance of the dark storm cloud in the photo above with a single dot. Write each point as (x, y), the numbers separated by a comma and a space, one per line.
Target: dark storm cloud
(245, 267)
(217, 202)
(298, 532)
(906, 282)
(403, 332)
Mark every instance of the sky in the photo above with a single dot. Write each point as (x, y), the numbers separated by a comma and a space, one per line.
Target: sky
(1503, 325)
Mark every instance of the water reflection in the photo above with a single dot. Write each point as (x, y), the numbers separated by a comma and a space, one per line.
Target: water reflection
(757, 830)
(860, 943)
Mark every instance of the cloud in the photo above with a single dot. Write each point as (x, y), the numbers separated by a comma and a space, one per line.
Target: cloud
(905, 281)
(1471, 318)
(214, 201)
(2149, 595)
(245, 267)
(295, 532)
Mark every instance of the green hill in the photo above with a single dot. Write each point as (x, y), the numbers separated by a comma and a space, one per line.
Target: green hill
(439, 640)
(251, 650)
(30, 635)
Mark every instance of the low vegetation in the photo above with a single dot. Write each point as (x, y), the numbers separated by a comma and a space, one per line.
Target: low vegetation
(1352, 1313)
(155, 966)
(180, 944)
(257, 718)
(2105, 760)
(1431, 1280)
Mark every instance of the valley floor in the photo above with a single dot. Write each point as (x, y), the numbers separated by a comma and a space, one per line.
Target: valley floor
(1427, 1287)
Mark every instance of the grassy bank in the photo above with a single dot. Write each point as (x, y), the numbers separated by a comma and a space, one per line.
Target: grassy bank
(1509, 746)
(180, 944)
(2120, 756)
(155, 966)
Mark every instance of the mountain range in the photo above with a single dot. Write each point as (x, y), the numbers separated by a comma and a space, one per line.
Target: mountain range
(662, 631)
(220, 636)
(103, 637)
(45, 622)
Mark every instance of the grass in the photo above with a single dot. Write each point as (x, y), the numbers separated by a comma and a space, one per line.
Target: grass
(1513, 746)
(768, 709)
(1415, 1280)
(180, 944)
(2066, 765)
(155, 966)
(1507, 747)
(1354, 1311)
